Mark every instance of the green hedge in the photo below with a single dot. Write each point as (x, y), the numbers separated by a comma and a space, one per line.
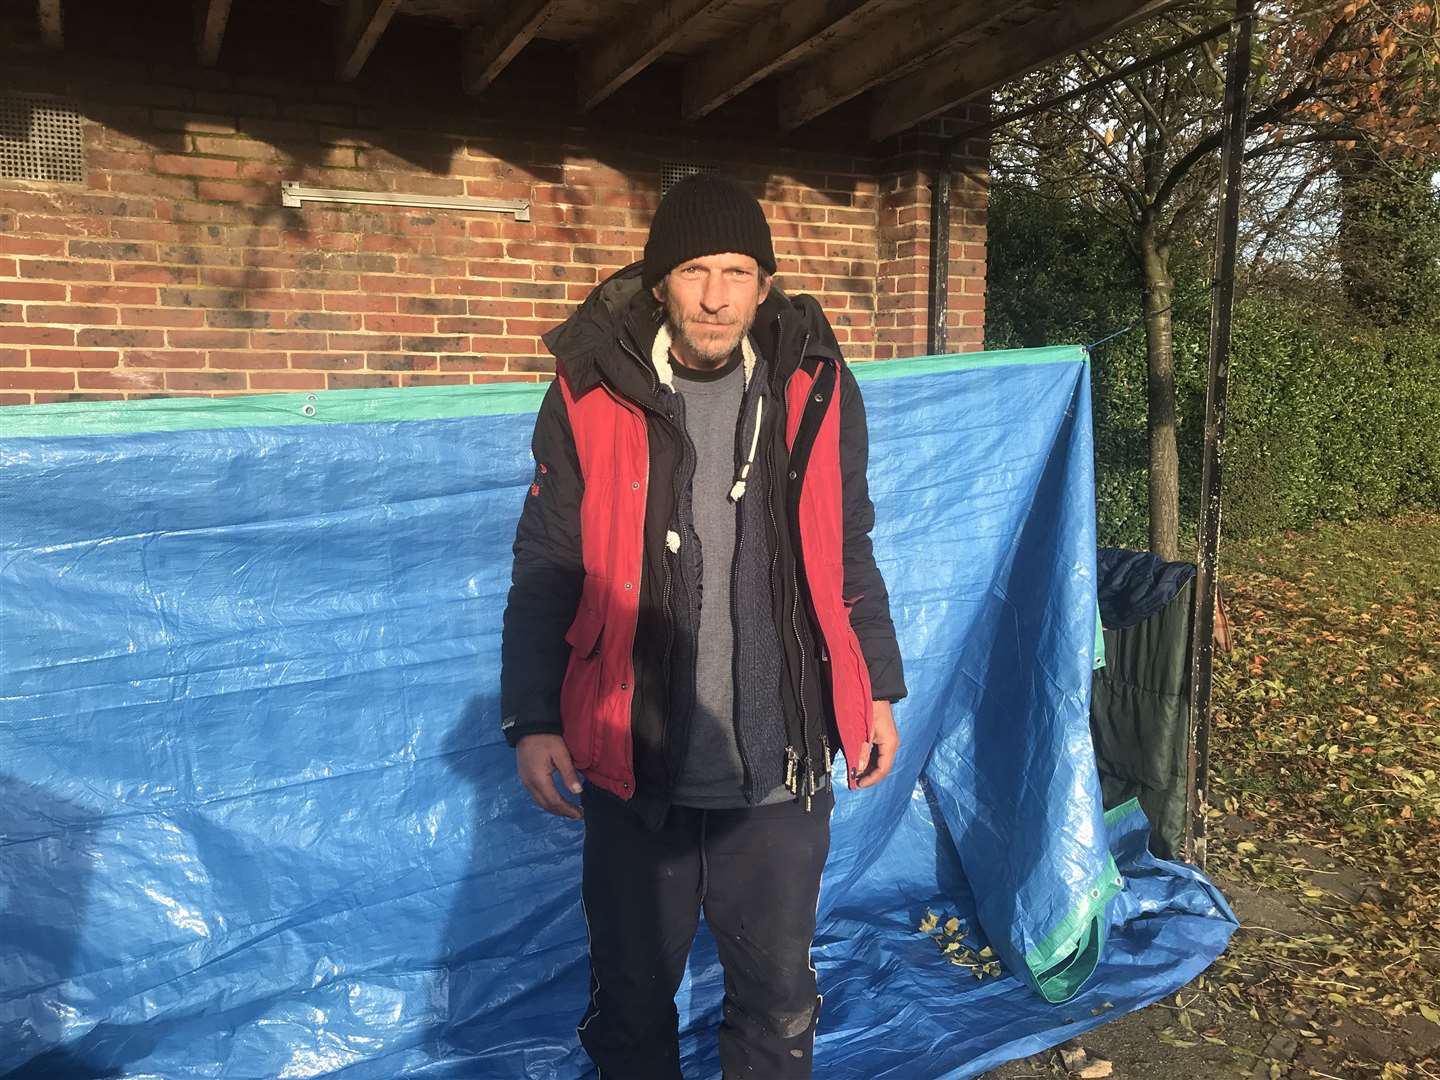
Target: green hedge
(1330, 416)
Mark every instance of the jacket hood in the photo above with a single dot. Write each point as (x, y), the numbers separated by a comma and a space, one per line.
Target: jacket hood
(591, 344)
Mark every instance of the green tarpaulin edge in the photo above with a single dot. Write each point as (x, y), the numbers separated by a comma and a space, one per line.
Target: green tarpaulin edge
(1060, 965)
(392, 403)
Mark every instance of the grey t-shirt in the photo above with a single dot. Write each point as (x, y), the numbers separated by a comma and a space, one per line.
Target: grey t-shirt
(713, 775)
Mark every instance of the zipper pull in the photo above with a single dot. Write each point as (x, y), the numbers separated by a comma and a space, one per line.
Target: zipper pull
(792, 759)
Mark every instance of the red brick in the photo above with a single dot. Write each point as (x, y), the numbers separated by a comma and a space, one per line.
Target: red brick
(69, 313)
(327, 361)
(163, 358)
(207, 339)
(122, 379)
(29, 245)
(401, 362)
(471, 362)
(12, 357)
(205, 380)
(287, 339)
(287, 380)
(99, 358)
(185, 165)
(36, 335)
(245, 359)
(181, 318)
(112, 294)
(227, 191)
(121, 339)
(36, 380)
(161, 187)
(358, 302)
(157, 275)
(344, 381)
(390, 324)
(64, 271)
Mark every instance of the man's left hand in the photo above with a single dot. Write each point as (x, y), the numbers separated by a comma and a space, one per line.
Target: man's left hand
(878, 755)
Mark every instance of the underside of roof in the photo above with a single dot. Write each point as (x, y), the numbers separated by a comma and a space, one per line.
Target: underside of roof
(886, 65)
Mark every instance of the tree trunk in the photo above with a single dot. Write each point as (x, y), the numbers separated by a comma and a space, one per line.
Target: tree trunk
(1160, 383)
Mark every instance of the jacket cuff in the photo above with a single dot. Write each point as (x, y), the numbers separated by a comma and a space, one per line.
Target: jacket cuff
(516, 728)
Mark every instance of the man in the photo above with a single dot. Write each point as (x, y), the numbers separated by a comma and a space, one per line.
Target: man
(696, 625)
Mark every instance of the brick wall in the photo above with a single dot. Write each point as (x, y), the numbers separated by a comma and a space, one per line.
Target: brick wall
(174, 269)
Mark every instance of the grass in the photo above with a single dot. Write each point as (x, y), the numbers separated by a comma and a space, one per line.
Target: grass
(1325, 756)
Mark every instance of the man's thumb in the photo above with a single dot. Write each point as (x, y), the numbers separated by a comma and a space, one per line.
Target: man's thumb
(567, 771)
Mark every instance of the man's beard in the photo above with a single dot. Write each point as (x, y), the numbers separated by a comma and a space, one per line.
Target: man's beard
(711, 351)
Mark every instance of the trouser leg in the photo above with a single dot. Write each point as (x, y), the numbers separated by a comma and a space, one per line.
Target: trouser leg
(641, 895)
(762, 872)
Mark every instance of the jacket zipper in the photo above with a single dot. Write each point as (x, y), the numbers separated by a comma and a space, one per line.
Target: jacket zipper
(804, 785)
(735, 621)
(686, 448)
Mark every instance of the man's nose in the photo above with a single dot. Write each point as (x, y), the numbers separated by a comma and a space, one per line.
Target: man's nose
(713, 298)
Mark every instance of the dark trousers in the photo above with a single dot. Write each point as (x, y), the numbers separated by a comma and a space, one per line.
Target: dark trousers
(756, 873)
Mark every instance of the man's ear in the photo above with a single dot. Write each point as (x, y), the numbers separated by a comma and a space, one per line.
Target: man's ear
(764, 290)
(658, 291)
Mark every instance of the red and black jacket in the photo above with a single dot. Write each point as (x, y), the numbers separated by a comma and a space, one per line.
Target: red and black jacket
(590, 620)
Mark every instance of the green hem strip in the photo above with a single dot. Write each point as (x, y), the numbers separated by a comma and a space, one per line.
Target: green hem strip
(931, 365)
(1060, 965)
(393, 404)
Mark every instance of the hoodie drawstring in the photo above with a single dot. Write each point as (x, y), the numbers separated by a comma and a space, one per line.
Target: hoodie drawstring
(742, 475)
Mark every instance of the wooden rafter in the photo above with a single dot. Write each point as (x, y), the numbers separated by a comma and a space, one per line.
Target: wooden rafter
(361, 24)
(791, 33)
(51, 27)
(900, 45)
(947, 83)
(491, 47)
(211, 17)
(627, 51)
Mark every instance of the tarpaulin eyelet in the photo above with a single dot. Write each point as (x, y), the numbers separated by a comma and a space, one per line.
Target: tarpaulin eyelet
(308, 410)
(634, 485)
(628, 585)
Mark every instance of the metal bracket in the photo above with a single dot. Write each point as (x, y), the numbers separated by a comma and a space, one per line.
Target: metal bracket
(294, 194)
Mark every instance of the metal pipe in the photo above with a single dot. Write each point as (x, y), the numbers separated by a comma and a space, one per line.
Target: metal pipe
(937, 343)
(1222, 308)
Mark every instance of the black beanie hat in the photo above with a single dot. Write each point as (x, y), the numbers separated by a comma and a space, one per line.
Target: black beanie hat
(705, 215)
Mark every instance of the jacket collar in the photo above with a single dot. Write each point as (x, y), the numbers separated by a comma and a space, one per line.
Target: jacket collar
(612, 336)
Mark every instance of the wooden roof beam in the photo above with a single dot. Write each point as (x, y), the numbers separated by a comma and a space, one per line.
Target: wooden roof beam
(361, 24)
(490, 48)
(792, 32)
(898, 45)
(52, 31)
(646, 33)
(956, 79)
(211, 17)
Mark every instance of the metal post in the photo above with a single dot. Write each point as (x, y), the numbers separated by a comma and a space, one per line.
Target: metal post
(940, 254)
(1237, 92)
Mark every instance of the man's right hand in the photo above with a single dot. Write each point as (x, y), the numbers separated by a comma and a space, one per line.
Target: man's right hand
(539, 758)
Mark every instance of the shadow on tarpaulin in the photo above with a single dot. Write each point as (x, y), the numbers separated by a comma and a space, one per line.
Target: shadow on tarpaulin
(257, 818)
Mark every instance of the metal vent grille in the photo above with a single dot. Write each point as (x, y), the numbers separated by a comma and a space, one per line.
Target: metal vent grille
(672, 172)
(40, 140)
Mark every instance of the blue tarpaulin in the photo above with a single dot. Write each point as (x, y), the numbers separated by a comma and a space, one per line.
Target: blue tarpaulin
(257, 818)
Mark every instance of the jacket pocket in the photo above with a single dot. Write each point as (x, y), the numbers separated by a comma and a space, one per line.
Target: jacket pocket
(580, 694)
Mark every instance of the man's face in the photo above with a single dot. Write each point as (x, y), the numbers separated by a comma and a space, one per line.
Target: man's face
(710, 302)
